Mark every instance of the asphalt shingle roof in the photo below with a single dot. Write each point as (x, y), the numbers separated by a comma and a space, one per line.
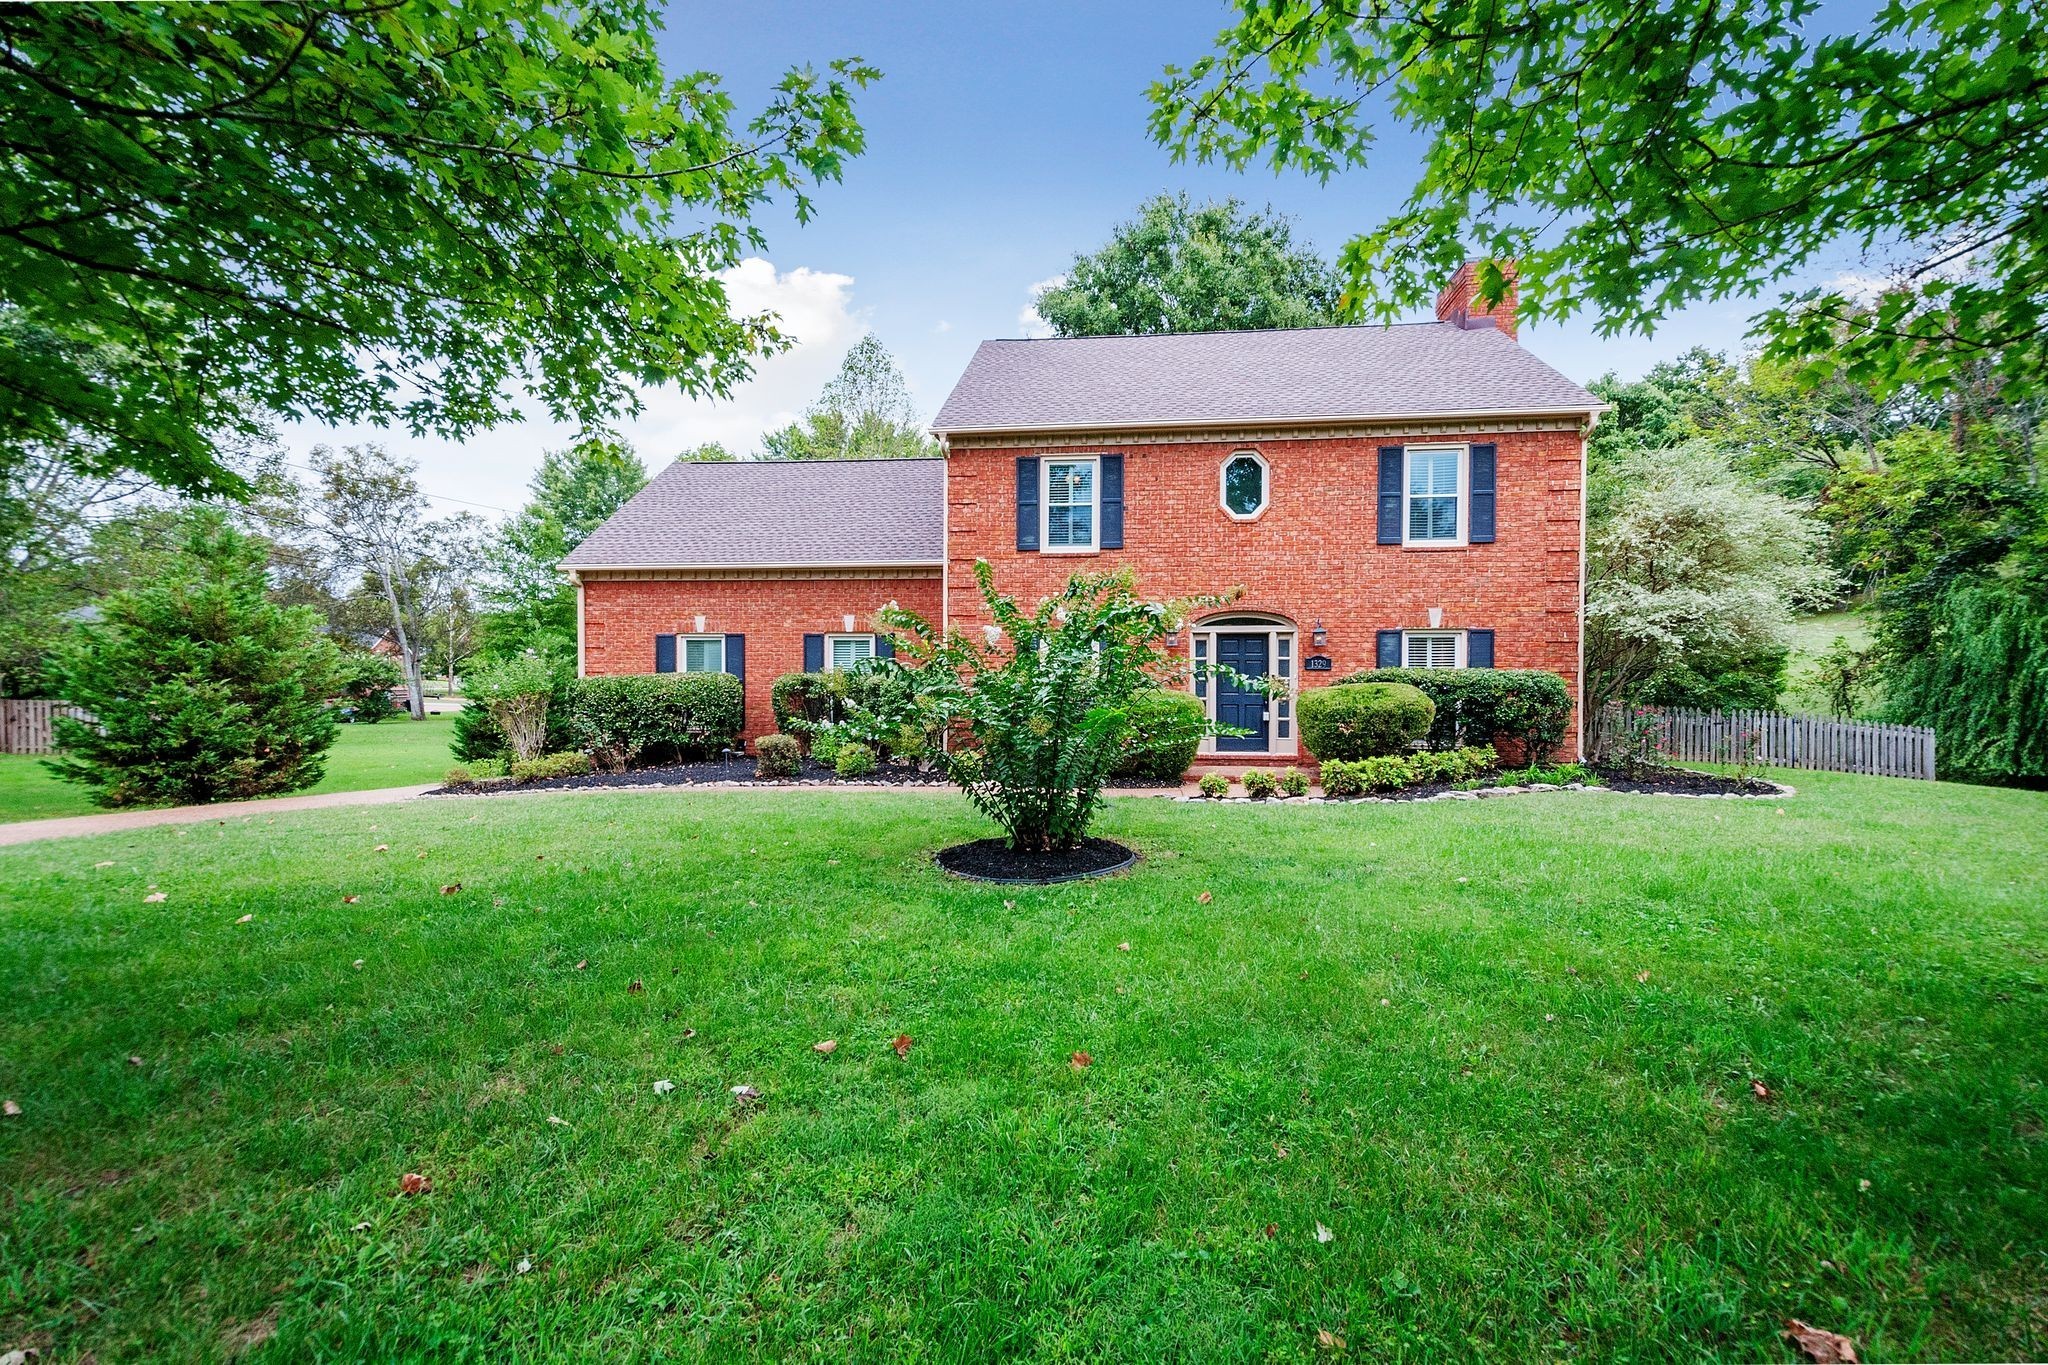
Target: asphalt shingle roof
(1315, 374)
(777, 513)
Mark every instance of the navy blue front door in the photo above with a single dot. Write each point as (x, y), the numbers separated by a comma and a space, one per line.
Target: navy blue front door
(1237, 706)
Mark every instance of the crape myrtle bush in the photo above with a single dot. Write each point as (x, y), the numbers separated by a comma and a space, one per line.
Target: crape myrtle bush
(622, 720)
(1363, 719)
(1044, 696)
(1480, 705)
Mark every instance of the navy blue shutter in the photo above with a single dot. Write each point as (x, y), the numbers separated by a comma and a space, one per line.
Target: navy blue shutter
(1112, 509)
(814, 654)
(736, 656)
(1479, 517)
(885, 648)
(1392, 462)
(1479, 649)
(1390, 649)
(1027, 502)
(664, 654)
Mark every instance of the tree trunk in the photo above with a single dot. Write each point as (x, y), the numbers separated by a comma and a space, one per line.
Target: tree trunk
(415, 691)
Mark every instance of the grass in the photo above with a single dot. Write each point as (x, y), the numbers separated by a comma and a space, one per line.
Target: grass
(395, 753)
(1504, 1051)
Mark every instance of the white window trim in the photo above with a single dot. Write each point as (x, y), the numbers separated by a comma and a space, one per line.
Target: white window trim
(1223, 485)
(1464, 497)
(848, 635)
(683, 652)
(1458, 636)
(1045, 545)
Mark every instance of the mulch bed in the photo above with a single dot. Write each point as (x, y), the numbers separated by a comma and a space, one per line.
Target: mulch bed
(993, 860)
(1683, 782)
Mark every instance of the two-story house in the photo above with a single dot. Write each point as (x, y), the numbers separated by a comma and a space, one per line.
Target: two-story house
(1409, 495)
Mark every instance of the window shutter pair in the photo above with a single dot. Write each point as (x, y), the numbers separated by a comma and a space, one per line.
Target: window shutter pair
(1109, 509)
(1480, 496)
(1478, 649)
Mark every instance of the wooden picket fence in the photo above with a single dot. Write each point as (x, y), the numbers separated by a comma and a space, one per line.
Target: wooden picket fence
(1818, 743)
(25, 725)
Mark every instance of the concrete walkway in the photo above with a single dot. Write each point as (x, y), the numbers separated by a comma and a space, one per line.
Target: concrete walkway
(114, 822)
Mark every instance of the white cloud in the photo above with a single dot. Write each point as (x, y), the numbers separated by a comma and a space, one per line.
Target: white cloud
(1027, 316)
(941, 327)
(816, 312)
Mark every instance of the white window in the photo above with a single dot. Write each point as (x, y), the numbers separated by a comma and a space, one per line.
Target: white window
(1436, 496)
(703, 654)
(1069, 499)
(1245, 485)
(1433, 649)
(844, 651)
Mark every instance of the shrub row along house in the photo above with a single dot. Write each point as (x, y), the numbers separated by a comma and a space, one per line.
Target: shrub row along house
(1405, 496)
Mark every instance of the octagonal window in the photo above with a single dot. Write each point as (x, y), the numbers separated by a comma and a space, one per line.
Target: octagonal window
(1245, 480)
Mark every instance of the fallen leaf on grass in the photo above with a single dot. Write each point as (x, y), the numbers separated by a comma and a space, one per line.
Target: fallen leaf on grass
(635, 988)
(1323, 1234)
(1643, 975)
(360, 1227)
(357, 964)
(1328, 1340)
(134, 1061)
(350, 900)
(381, 848)
(1204, 898)
(1080, 1061)
(451, 888)
(1763, 1093)
(664, 1087)
(245, 919)
(558, 1122)
(1270, 1231)
(1282, 1151)
(10, 1109)
(1819, 1345)
(901, 1042)
(1123, 947)
(524, 1266)
(108, 863)
(155, 898)
(414, 1183)
(689, 1033)
(745, 1092)
(827, 1047)
(584, 963)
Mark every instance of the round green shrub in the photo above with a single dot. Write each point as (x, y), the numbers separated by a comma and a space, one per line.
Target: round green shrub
(1215, 786)
(1363, 720)
(778, 756)
(1293, 782)
(1260, 784)
(1162, 731)
(855, 760)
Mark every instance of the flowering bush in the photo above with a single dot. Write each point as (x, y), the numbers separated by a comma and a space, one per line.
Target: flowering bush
(1044, 697)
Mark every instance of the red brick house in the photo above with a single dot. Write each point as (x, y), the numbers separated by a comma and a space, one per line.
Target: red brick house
(1408, 495)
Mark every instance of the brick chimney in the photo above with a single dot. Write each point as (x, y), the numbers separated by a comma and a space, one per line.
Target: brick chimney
(1459, 304)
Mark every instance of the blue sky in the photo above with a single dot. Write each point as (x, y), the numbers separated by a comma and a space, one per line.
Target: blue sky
(1002, 139)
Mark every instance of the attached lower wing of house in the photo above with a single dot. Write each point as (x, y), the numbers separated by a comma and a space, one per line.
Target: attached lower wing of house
(1402, 496)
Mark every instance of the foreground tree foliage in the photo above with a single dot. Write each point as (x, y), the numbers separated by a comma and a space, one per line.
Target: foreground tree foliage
(1045, 697)
(1637, 159)
(1185, 267)
(391, 213)
(200, 687)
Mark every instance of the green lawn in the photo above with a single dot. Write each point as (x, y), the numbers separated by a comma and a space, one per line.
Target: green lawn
(1504, 1051)
(396, 753)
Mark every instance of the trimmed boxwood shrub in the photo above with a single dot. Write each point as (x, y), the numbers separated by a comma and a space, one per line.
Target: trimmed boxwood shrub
(551, 765)
(1162, 732)
(1260, 784)
(1362, 720)
(1479, 705)
(778, 756)
(1293, 782)
(1214, 786)
(624, 719)
(1392, 772)
(855, 760)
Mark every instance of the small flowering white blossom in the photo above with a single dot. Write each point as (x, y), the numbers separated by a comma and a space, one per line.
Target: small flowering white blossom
(994, 635)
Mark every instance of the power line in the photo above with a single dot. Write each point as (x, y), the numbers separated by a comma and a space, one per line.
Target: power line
(437, 497)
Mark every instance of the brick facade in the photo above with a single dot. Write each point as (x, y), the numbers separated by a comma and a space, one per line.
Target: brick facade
(1312, 555)
(622, 615)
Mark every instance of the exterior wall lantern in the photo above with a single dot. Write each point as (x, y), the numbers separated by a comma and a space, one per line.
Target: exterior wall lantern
(1319, 637)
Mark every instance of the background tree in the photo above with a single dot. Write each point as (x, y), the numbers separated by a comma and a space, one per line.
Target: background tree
(1687, 561)
(532, 605)
(368, 513)
(863, 413)
(390, 213)
(1182, 267)
(200, 688)
(710, 452)
(1638, 159)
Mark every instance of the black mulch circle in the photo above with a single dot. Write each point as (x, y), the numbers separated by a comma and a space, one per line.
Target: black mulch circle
(1684, 780)
(993, 860)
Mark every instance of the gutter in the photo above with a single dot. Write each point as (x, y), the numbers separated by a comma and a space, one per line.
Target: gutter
(1589, 411)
